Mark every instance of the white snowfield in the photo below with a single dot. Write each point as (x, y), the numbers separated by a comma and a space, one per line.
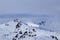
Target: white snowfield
(32, 24)
(7, 32)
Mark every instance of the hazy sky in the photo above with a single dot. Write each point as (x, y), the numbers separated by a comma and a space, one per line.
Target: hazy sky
(29, 6)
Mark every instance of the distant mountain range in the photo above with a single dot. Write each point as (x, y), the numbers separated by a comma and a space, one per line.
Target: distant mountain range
(20, 15)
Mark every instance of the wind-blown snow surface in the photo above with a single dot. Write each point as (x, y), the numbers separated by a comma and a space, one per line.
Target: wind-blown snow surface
(7, 31)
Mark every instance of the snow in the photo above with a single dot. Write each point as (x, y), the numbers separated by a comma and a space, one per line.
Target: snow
(32, 24)
(7, 31)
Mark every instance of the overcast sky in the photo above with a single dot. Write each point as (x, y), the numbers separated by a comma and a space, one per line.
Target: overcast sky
(29, 6)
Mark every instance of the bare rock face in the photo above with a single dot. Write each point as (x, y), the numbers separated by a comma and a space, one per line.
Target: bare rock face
(54, 37)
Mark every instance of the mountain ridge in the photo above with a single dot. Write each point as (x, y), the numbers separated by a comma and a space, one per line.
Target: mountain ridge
(19, 26)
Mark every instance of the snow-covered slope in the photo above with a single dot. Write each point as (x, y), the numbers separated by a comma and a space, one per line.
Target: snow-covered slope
(19, 30)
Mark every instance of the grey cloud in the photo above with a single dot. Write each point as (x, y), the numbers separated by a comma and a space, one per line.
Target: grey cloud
(29, 6)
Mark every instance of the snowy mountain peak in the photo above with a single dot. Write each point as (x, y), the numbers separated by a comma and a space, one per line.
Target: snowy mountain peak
(19, 30)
